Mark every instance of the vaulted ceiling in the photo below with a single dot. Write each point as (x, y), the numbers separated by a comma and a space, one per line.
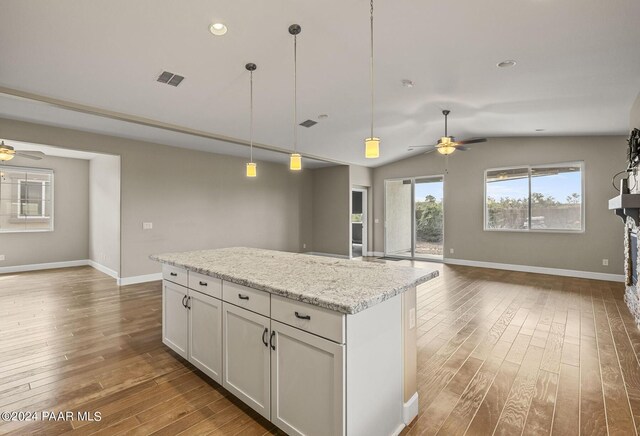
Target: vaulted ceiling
(577, 72)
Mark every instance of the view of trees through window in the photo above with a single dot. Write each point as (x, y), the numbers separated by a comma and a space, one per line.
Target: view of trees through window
(535, 198)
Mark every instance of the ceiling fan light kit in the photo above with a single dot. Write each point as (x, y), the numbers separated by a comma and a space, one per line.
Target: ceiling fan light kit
(7, 153)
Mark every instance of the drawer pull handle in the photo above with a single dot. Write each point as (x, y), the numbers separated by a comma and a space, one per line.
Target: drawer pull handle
(264, 337)
(174, 274)
(273, 347)
(184, 301)
(243, 297)
(303, 316)
(203, 283)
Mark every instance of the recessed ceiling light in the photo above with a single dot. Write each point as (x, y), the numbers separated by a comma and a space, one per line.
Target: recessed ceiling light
(323, 116)
(407, 83)
(506, 64)
(218, 29)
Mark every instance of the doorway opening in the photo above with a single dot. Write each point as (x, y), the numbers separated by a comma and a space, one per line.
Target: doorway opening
(358, 222)
(414, 218)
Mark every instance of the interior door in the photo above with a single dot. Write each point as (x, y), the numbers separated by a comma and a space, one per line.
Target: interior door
(246, 367)
(175, 318)
(205, 334)
(307, 386)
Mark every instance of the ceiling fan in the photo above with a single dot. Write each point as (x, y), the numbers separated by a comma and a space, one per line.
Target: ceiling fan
(447, 144)
(7, 152)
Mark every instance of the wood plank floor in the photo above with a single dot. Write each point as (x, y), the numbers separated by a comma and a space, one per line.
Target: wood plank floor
(499, 353)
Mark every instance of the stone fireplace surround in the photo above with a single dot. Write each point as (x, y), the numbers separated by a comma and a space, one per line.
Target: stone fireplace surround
(631, 297)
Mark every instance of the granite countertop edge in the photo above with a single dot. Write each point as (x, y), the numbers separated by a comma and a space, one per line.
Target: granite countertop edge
(320, 302)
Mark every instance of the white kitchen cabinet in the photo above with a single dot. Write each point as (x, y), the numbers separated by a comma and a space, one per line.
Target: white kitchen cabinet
(307, 386)
(205, 334)
(246, 357)
(175, 327)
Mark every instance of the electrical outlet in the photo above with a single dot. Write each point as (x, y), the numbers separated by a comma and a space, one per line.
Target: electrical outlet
(304, 245)
(605, 262)
(147, 226)
(1, 257)
(450, 250)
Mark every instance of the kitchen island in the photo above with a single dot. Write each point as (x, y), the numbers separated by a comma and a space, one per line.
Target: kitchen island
(316, 345)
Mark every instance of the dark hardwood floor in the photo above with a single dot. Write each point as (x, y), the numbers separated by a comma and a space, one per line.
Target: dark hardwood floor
(499, 353)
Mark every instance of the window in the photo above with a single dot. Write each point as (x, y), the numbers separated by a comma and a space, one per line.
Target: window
(535, 198)
(26, 199)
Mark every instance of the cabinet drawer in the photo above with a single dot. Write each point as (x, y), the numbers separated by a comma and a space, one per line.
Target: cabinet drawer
(174, 274)
(314, 319)
(205, 284)
(251, 299)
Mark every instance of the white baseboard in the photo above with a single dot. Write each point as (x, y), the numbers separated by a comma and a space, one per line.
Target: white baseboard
(104, 269)
(398, 430)
(375, 253)
(124, 281)
(539, 270)
(41, 266)
(410, 409)
(316, 253)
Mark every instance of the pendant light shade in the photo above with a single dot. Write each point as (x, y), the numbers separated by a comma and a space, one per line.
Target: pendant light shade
(372, 148)
(372, 143)
(445, 149)
(251, 169)
(295, 161)
(251, 166)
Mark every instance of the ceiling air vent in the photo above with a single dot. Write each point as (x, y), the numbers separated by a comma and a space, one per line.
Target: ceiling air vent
(170, 78)
(308, 123)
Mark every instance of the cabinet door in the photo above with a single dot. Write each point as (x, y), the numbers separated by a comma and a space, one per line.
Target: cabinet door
(246, 357)
(205, 334)
(307, 383)
(175, 318)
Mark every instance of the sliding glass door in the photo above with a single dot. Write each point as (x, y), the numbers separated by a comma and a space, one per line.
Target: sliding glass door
(414, 218)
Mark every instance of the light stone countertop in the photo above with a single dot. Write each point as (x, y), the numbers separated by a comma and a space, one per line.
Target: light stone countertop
(341, 285)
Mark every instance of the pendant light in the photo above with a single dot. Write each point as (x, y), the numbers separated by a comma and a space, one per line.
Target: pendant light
(295, 161)
(251, 166)
(372, 144)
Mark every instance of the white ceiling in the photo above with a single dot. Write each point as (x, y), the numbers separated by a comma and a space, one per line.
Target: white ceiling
(578, 67)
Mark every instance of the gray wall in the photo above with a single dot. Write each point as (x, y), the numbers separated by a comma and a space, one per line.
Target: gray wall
(464, 192)
(635, 114)
(194, 199)
(69, 239)
(332, 210)
(104, 211)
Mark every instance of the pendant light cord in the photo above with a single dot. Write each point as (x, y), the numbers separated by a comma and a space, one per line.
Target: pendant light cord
(251, 116)
(371, 71)
(295, 92)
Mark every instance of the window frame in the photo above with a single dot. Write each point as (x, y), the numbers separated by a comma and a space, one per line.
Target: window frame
(529, 168)
(32, 218)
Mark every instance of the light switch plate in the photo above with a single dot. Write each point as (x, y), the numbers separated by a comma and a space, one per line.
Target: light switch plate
(147, 226)
(1, 257)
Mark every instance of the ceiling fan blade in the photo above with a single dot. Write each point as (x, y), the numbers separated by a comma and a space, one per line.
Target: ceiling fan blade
(35, 155)
(472, 141)
(462, 148)
(414, 147)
